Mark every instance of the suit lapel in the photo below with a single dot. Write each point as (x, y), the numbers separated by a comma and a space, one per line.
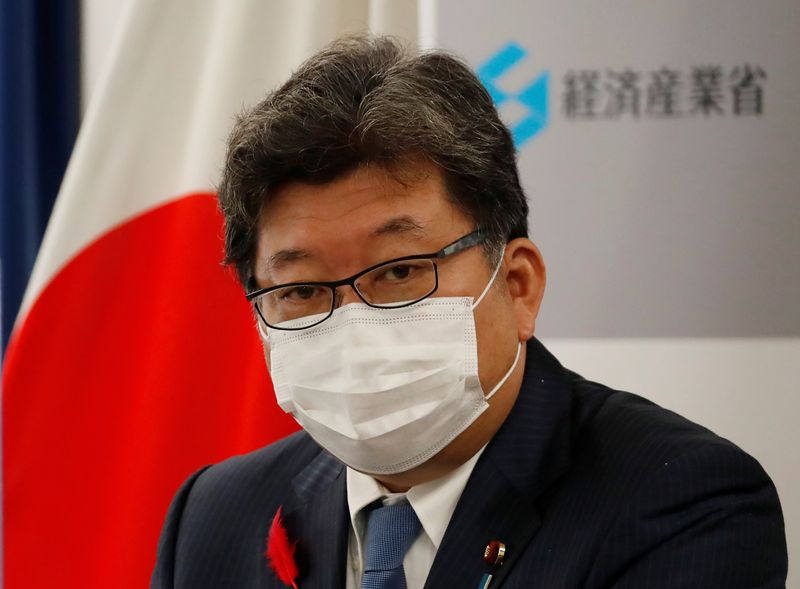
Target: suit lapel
(528, 453)
(496, 512)
(318, 519)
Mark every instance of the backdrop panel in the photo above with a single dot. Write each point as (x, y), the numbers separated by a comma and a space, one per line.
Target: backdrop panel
(659, 147)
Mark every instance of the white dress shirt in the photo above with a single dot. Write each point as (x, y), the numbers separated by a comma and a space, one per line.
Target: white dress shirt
(434, 503)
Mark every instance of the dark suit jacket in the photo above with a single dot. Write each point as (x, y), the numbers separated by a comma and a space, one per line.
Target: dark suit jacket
(587, 486)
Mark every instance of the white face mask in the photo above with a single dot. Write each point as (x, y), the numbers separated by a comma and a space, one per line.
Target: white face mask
(384, 390)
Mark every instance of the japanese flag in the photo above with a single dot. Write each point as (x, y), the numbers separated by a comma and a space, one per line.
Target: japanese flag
(135, 360)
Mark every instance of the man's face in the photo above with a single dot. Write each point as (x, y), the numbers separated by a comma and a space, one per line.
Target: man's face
(331, 231)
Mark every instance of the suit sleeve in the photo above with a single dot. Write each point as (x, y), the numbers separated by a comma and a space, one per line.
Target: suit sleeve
(164, 572)
(709, 519)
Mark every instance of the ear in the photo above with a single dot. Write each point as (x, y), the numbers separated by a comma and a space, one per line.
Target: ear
(525, 277)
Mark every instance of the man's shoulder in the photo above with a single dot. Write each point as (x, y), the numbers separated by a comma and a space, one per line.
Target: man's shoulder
(266, 472)
(225, 506)
(627, 426)
(648, 488)
(625, 442)
(602, 428)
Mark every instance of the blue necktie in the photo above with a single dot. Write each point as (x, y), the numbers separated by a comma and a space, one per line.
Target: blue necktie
(390, 532)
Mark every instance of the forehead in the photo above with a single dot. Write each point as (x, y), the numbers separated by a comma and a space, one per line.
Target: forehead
(418, 187)
(369, 205)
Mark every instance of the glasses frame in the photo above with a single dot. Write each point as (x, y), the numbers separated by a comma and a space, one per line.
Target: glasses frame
(459, 245)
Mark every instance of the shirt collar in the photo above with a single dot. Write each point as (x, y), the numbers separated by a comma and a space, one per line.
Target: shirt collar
(433, 501)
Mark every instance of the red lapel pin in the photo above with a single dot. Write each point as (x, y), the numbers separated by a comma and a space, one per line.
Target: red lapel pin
(495, 552)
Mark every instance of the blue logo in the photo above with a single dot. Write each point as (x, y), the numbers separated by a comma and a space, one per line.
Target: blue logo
(533, 96)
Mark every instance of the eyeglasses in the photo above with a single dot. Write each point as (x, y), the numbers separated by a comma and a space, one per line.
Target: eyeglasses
(389, 285)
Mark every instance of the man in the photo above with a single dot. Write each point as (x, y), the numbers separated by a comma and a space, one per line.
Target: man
(375, 217)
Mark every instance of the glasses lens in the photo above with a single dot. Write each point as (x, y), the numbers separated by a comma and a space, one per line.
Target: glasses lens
(398, 283)
(295, 307)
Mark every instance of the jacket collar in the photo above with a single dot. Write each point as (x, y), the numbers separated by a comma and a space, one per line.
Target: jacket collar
(526, 456)
(532, 447)
(317, 519)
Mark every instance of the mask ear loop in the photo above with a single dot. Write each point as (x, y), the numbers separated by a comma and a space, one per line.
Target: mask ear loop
(519, 344)
(261, 327)
(507, 374)
(489, 284)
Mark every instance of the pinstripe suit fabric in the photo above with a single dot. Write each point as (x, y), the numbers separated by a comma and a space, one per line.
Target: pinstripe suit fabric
(587, 486)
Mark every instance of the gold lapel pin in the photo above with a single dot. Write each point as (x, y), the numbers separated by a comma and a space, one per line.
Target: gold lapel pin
(495, 552)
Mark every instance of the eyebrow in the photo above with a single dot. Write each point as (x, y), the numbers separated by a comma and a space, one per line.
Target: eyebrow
(399, 225)
(283, 257)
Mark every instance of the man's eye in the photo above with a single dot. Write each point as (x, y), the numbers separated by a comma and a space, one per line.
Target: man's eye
(301, 293)
(398, 272)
